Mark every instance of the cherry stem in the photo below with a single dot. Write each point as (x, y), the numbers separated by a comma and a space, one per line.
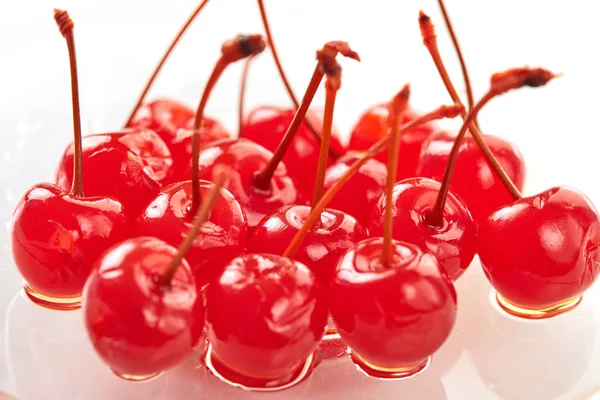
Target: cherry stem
(500, 84)
(284, 79)
(445, 111)
(332, 85)
(315, 214)
(65, 25)
(200, 218)
(240, 47)
(396, 107)
(459, 53)
(325, 57)
(242, 96)
(162, 61)
(430, 41)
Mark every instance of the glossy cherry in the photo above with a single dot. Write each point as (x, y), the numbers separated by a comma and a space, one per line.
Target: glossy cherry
(373, 125)
(554, 241)
(223, 237)
(265, 317)
(410, 312)
(174, 123)
(267, 125)
(453, 241)
(137, 326)
(56, 236)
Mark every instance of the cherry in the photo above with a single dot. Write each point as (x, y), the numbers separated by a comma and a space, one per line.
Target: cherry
(482, 189)
(335, 232)
(56, 236)
(373, 125)
(142, 310)
(298, 150)
(411, 307)
(265, 317)
(360, 194)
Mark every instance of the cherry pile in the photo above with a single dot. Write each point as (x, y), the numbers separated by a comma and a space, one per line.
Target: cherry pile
(172, 234)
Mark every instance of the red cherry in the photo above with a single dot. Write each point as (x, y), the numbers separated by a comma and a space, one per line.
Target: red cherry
(56, 236)
(410, 312)
(360, 194)
(265, 317)
(553, 239)
(474, 181)
(223, 237)
(174, 122)
(267, 125)
(246, 158)
(322, 247)
(137, 326)
(373, 125)
(453, 242)
(112, 169)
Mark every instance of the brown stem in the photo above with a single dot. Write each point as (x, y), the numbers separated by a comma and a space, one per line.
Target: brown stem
(325, 58)
(430, 41)
(459, 53)
(201, 217)
(332, 85)
(65, 25)
(162, 61)
(286, 83)
(396, 107)
(240, 47)
(242, 96)
(500, 84)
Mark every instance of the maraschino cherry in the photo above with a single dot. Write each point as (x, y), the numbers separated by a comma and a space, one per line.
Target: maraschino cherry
(286, 133)
(539, 252)
(489, 170)
(57, 235)
(360, 194)
(170, 214)
(142, 309)
(265, 317)
(391, 301)
(335, 232)
(171, 119)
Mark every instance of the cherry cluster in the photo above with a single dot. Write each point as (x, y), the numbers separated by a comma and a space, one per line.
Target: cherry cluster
(172, 232)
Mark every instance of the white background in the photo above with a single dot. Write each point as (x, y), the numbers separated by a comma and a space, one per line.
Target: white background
(46, 355)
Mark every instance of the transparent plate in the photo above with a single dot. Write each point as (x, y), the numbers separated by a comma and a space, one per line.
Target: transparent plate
(46, 355)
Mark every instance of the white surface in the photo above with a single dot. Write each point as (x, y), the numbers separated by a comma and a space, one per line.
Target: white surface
(45, 354)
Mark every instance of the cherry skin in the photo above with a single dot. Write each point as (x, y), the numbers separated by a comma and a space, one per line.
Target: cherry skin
(454, 243)
(246, 159)
(542, 250)
(173, 122)
(265, 315)
(111, 168)
(266, 126)
(373, 125)
(360, 194)
(473, 179)
(394, 315)
(222, 238)
(322, 247)
(137, 326)
(56, 237)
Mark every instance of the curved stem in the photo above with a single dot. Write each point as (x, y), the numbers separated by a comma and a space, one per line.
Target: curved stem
(330, 95)
(162, 61)
(201, 217)
(263, 179)
(242, 96)
(65, 25)
(430, 41)
(459, 53)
